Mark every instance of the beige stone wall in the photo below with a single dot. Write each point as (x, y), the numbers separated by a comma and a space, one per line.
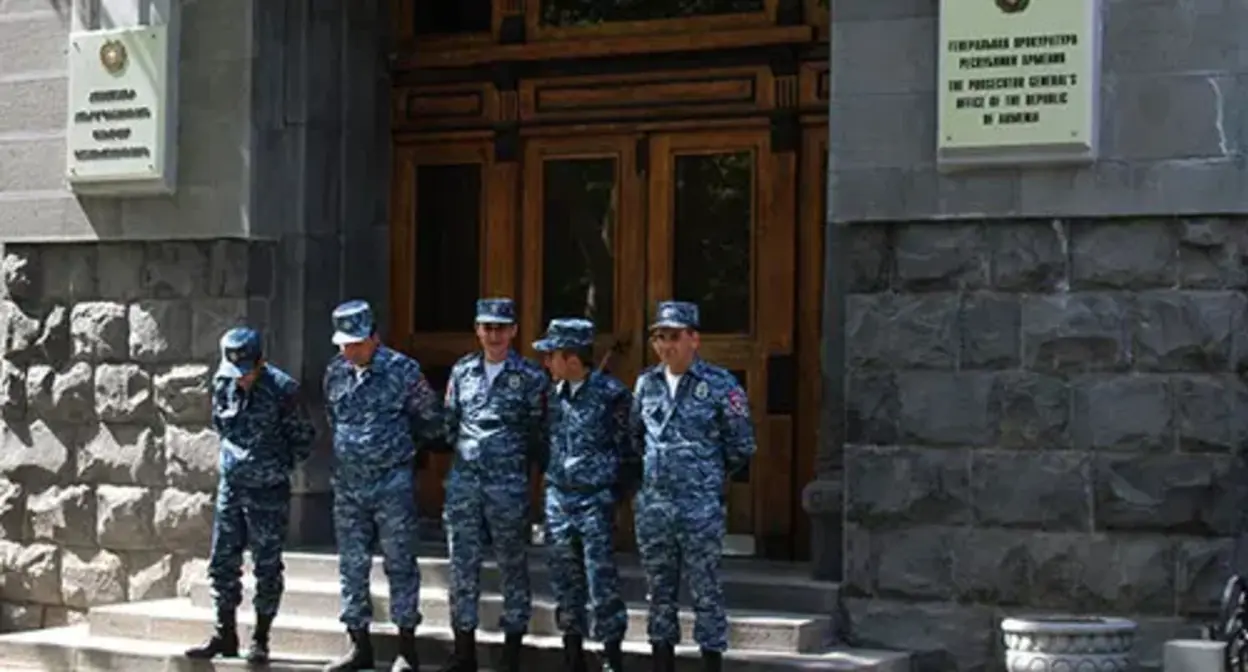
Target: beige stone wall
(107, 464)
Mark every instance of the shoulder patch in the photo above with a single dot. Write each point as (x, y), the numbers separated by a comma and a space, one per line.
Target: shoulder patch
(738, 405)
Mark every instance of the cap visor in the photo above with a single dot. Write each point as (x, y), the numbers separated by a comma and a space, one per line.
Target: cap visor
(544, 345)
(229, 369)
(491, 319)
(346, 339)
(668, 324)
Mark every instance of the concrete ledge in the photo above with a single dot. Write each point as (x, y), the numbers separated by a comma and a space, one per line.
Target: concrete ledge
(1193, 655)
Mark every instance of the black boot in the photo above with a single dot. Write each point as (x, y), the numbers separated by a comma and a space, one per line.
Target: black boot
(259, 653)
(510, 662)
(224, 640)
(664, 657)
(612, 657)
(574, 654)
(464, 659)
(360, 657)
(712, 661)
(407, 660)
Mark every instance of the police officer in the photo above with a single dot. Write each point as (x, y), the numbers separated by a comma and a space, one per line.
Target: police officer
(264, 432)
(377, 399)
(587, 439)
(495, 402)
(691, 424)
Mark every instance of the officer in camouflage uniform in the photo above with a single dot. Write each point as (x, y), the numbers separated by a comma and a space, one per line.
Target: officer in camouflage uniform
(691, 426)
(377, 400)
(495, 401)
(587, 438)
(264, 433)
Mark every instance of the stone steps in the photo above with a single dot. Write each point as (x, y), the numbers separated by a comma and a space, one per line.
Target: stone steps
(748, 584)
(747, 630)
(179, 623)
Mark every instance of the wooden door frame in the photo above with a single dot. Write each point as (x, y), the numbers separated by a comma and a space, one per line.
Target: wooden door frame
(810, 271)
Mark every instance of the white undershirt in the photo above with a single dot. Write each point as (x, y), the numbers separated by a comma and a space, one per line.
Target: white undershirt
(673, 381)
(576, 385)
(492, 369)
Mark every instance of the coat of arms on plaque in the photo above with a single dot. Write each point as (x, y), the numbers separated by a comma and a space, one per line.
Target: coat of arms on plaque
(113, 56)
(1013, 6)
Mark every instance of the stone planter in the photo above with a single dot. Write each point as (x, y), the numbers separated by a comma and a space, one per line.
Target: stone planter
(1069, 644)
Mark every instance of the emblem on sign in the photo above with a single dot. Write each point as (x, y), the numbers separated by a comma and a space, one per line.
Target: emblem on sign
(113, 56)
(701, 391)
(1013, 6)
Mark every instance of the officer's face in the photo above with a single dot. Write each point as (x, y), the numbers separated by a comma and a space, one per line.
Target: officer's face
(246, 381)
(496, 339)
(360, 354)
(557, 362)
(675, 347)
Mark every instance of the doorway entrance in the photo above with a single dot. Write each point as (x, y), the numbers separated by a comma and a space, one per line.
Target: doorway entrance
(599, 187)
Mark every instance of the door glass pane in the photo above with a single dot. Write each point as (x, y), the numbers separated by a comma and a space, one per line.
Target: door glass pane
(448, 241)
(457, 17)
(588, 12)
(714, 212)
(578, 240)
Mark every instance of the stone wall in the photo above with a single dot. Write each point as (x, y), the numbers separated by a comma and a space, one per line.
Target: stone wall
(1042, 416)
(107, 465)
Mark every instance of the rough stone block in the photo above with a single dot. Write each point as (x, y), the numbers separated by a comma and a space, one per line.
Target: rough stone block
(35, 575)
(191, 571)
(56, 617)
(90, 578)
(962, 635)
(1124, 255)
(153, 576)
(209, 320)
(19, 276)
(67, 272)
(175, 270)
(12, 511)
(36, 455)
(1048, 491)
(893, 331)
(100, 331)
(123, 454)
(262, 263)
(160, 331)
(120, 271)
(1184, 331)
(941, 257)
(184, 394)
(871, 408)
(125, 516)
(1211, 412)
(919, 563)
(228, 269)
(1032, 411)
(21, 617)
(12, 391)
(1203, 569)
(1175, 493)
(1075, 332)
(21, 331)
(1122, 413)
(1028, 256)
(1211, 252)
(903, 486)
(989, 330)
(62, 514)
(184, 520)
(192, 457)
(67, 396)
(54, 345)
(950, 409)
(868, 257)
(123, 393)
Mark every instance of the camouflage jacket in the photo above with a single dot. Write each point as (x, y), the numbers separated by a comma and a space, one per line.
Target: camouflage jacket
(495, 430)
(264, 431)
(587, 434)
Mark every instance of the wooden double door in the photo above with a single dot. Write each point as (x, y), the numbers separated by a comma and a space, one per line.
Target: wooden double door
(605, 226)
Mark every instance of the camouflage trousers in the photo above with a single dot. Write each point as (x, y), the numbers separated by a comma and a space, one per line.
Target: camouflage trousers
(255, 519)
(382, 511)
(475, 511)
(683, 536)
(579, 531)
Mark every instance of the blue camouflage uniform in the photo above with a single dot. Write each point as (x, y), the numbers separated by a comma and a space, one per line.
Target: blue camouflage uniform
(689, 445)
(264, 432)
(496, 432)
(587, 439)
(374, 413)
